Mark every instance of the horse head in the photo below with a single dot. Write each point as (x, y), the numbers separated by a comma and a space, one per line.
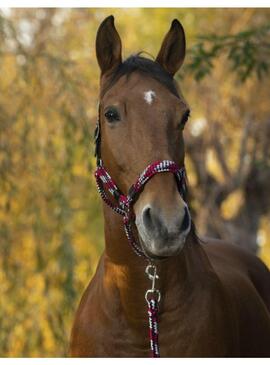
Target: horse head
(142, 114)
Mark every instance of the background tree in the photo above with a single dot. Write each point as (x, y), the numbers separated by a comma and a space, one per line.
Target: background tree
(234, 204)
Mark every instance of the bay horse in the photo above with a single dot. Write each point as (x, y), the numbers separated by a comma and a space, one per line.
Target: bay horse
(215, 296)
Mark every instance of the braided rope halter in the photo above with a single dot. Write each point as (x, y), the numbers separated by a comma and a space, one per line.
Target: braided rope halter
(123, 204)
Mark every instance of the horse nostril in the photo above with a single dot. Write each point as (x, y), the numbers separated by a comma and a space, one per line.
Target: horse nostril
(147, 218)
(156, 225)
(186, 220)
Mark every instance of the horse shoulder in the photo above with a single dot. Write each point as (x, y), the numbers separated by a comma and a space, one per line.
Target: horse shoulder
(247, 281)
(230, 256)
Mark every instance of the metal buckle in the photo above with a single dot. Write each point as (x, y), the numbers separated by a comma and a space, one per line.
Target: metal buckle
(151, 272)
(155, 291)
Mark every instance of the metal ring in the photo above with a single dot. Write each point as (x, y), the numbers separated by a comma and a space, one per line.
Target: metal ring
(152, 291)
(149, 274)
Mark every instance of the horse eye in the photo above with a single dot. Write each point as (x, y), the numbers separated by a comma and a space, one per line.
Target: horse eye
(112, 115)
(184, 119)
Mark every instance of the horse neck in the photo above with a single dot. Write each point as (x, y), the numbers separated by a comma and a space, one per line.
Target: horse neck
(179, 276)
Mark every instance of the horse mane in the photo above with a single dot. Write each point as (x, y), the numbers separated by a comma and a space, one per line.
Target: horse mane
(145, 66)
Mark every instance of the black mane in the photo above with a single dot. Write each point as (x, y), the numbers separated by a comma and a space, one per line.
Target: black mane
(146, 67)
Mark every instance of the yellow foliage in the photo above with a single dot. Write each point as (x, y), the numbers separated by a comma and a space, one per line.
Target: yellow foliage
(230, 207)
(264, 240)
(213, 166)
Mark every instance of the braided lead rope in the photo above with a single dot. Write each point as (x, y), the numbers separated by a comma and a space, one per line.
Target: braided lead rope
(153, 327)
(152, 297)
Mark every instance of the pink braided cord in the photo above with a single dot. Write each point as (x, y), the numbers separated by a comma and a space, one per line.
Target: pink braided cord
(153, 327)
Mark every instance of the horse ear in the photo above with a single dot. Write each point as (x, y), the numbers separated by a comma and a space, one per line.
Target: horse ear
(173, 48)
(108, 46)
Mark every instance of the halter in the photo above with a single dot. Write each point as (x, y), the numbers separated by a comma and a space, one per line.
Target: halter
(123, 204)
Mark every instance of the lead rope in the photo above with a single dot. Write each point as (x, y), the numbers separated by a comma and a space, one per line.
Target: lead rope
(152, 297)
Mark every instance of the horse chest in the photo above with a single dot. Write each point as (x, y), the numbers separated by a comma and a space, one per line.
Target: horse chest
(194, 337)
(202, 330)
(197, 331)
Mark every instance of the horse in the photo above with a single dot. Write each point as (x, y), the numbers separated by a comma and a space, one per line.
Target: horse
(215, 296)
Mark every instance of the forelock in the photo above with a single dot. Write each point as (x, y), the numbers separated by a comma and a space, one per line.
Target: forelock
(146, 67)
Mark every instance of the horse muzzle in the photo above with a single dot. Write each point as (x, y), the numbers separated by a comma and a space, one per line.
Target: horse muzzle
(161, 234)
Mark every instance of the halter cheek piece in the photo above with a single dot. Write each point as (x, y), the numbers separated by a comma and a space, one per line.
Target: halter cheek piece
(123, 204)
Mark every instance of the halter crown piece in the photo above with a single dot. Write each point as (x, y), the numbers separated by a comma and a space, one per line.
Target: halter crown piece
(123, 204)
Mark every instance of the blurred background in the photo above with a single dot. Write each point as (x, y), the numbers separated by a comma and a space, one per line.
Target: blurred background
(51, 227)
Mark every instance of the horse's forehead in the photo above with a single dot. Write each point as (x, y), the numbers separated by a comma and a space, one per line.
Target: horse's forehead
(138, 87)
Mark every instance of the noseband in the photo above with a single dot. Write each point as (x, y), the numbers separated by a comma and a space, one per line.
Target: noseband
(122, 204)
